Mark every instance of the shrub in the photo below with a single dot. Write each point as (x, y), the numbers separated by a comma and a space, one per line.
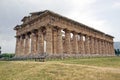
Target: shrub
(7, 56)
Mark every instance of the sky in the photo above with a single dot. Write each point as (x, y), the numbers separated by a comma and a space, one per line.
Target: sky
(103, 15)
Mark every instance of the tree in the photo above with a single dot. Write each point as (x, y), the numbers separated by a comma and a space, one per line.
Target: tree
(0, 50)
(117, 52)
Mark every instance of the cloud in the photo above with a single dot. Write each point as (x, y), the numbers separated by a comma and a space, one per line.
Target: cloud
(98, 14)
(116, 5)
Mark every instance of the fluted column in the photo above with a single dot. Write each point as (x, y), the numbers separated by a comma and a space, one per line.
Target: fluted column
(67, 42)
(92, 45)
(75, 43)
(59, 42)
(99, 46)
(32, 43)
(81, 44)
(40, 48)
(22, 45)
(96, 46)
(102, 47)
(17, 50)
(54, 40)
(87, 49)
(106, 50)
(27, 44)
(112, 48)
(109, 48)
(49, 40)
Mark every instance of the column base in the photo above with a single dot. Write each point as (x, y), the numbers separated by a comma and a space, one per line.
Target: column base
(59, 56)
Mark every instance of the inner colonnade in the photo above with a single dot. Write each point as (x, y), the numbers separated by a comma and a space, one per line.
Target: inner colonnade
(52, 38)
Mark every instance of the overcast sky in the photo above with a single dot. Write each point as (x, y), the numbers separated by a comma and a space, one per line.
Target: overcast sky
(103, 15)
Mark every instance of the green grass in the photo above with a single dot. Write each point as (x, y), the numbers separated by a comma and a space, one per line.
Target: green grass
(97, 61)
(68, 69)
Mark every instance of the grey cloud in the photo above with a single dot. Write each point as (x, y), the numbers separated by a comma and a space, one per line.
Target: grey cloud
(85, 11)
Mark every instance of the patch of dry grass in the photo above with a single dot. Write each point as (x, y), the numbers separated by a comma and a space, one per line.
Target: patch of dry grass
(56, 70)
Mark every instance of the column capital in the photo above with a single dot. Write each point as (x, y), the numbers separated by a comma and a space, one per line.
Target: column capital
(75, 33)
(66, 30)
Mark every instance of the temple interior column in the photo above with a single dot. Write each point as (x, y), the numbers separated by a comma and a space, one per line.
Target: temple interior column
(59, 42)
(49, 40)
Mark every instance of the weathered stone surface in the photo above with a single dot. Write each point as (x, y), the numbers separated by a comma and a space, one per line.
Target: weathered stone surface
(43, 34)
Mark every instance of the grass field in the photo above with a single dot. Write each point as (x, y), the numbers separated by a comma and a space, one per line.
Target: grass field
(68, 69)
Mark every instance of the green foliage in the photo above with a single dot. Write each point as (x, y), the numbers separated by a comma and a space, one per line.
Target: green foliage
(7, 55)
(117, 52)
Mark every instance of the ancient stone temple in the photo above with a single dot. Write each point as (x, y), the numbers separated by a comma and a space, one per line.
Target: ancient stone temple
(50, 34)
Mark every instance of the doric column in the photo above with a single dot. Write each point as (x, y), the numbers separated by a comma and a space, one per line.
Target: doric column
(22, 45)
(17, 50)
(55, 40)
(81, 44)
(102, 47)
(92, 45)
(75, 43)
(112, 48)
(49, 40)
(96, 46)
(87, 49)
(27, 44)
(67, 42)
(99, 46)
(109, 48)
(59, 42)
(33, 43)
(106, 50)
(20, 50)
(40, 45)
